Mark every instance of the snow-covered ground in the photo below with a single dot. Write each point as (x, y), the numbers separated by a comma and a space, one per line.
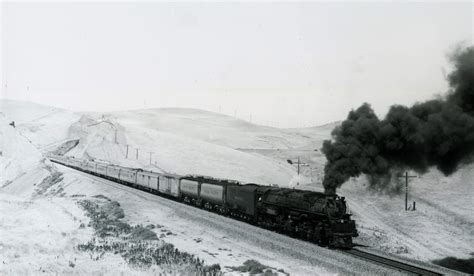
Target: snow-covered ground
(38, 232)
(35, 192)
(442, 224)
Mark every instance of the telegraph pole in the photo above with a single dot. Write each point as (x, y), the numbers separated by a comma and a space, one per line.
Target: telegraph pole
(150, 155)
(298, 165)
(126, 154)
(406, 176)
(137, 153)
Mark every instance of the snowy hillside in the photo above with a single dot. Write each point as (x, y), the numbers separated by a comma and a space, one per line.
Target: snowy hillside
(44, 126)
(178, 143)
(174, 153)
(20, 161)
(29, 223)
(211, 127)
(442, 224)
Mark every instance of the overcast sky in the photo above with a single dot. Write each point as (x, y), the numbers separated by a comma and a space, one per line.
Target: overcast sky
(287, 65)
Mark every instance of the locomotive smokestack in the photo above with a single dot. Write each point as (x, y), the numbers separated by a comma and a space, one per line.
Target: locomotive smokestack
(436, 133)
(329, 191)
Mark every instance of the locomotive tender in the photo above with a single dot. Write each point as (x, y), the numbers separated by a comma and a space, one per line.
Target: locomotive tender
(316, 217)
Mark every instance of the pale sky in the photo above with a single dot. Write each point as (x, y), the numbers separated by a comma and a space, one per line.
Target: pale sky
(286, 65)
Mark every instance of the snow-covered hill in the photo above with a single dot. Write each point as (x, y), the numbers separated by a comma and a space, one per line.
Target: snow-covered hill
(170, 152)
(211, 127)
(184, 141)
(35, 228)
(20, 161)
(45, 127)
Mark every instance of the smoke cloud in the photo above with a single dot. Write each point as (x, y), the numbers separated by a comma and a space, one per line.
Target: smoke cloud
(437, 133)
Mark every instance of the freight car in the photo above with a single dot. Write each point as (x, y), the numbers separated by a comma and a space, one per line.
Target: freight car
(313, 216)
(148, 180)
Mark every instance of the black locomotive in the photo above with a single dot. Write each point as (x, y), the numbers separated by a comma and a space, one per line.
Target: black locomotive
(313, 216)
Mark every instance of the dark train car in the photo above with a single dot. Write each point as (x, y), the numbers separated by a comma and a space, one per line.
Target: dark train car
(189, 190)
(241, 200)
(208, 192)
(213, 195)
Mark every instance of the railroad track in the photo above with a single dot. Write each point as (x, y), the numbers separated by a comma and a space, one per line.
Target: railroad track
(399, 265)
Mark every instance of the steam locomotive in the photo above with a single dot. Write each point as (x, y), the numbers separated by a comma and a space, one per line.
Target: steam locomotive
(316, 217)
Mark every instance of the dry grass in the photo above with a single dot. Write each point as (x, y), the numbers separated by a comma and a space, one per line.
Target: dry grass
(138, 245)
(254, 267)
(43, 188)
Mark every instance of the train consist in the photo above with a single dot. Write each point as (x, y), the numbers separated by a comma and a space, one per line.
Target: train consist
(313, 216)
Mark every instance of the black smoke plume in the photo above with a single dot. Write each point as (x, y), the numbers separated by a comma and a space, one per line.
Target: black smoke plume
(437, 133)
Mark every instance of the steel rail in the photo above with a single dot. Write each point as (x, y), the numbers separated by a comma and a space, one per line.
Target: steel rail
(399, 265)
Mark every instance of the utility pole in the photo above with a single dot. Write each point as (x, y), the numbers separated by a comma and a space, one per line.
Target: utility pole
(150, 155)
(137, 153)
(115, 135)
(126, 154)
(298, 165)
(406, 176)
